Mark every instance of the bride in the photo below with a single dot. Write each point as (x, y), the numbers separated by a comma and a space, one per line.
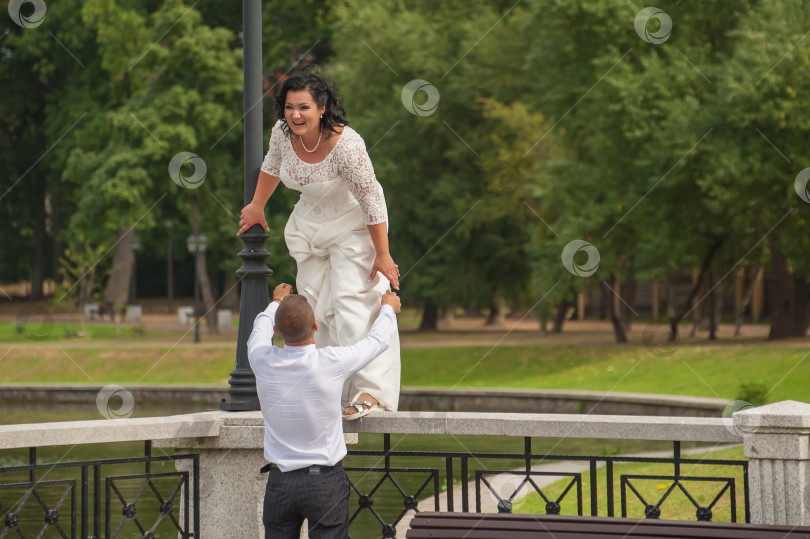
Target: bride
(337, 232)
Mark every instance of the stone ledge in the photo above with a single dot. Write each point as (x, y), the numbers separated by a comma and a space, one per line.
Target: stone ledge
(203, 424)
(245, 429)
(697, 429)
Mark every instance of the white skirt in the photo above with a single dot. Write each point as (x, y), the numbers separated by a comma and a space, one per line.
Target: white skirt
(334, 261)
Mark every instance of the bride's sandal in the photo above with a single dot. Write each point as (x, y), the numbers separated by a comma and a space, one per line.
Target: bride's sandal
(363, 408)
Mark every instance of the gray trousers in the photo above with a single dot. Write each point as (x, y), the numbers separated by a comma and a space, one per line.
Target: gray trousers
(319, 494)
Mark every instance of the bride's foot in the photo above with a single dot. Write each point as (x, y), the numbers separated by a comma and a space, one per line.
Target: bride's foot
(361, 405)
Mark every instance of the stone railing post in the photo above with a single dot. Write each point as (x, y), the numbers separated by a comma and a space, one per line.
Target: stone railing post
(231, 487)
(776, 438)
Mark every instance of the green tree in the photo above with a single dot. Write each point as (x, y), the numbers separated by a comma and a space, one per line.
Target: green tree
(639, 122)
(138, 82)
(445, 234)
(764, 110)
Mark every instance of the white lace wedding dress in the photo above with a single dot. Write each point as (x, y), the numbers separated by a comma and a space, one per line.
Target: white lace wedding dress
(328, 237)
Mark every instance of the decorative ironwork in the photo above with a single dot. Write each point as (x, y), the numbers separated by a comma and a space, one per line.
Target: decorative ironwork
(504, 505)
(13, 518)
(526, 479)
(410, 502)
(701, 513)
(177, 504)
(176, 508)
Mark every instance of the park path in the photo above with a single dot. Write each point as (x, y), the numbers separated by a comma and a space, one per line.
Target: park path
(464, 333)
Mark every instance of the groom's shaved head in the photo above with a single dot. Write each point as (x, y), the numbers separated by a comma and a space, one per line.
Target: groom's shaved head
(295, 319)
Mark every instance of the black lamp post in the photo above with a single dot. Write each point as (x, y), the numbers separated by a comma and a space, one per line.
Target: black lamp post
(135, 244)
(196, 245)
(254, 271)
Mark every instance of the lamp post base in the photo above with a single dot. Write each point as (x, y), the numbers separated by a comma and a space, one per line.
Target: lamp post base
(242, 392)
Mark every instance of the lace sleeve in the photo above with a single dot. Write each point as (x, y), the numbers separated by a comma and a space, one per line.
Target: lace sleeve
(358, 172)
(272, 161)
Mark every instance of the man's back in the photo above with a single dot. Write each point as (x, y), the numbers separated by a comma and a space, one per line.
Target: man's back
(300, 389)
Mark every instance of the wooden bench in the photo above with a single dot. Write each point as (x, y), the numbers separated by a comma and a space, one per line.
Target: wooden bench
(510, 526)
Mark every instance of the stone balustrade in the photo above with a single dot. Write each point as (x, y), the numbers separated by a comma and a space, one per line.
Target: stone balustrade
(776, 439)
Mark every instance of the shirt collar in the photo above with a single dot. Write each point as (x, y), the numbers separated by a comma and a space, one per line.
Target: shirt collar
(304, 348)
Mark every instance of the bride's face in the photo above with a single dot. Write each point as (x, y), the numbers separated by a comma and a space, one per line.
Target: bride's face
(302, 113)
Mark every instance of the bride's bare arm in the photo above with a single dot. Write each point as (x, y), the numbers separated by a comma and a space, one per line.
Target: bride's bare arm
(383, 261)
(253, 213)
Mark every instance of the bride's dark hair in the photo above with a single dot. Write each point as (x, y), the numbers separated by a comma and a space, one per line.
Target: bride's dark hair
(323, 92)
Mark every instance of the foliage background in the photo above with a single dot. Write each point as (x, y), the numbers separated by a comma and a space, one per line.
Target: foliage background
(556, 122)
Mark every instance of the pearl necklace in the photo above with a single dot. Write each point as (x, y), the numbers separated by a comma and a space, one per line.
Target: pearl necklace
(320, 134)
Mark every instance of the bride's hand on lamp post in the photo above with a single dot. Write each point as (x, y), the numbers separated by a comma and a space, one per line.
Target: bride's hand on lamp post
(385, 265)
(249, 216)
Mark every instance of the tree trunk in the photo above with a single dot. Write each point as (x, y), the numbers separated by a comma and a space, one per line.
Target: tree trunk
(802, 320)
(685, 308)
(496, 315)
(58, 246)
(628, 295)
(207, 295)
(497, 312)
(791, 313)
(542, 314)
(38, 262)
(447, 319)
(609, 300)
(712, 308)
(559, 315)
(170, 270)
(739, 311)
(430, 317)
(709, 310)
(85, 290)
(473, 311)
(117, 290)
(202, 272)
(699, 313)
(230, 298)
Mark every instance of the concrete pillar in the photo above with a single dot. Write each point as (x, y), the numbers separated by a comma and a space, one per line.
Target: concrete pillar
(231, 487)
(776, 439)
(231, 492)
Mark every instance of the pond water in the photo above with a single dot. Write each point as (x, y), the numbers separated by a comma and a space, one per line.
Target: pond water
(388, 501)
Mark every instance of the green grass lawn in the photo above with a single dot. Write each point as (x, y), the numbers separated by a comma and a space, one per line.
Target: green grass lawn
(133, 365)
(38, 330)
(699, 369)
(676, 506)
(691, 370)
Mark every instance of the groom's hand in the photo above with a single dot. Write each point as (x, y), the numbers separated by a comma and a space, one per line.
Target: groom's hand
(282, 291)
(390, 298)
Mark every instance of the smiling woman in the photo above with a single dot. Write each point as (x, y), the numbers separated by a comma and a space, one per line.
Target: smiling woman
(338, 231)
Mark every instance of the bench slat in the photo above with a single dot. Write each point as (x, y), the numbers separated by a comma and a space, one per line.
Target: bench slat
(467, 533)
(489, 525)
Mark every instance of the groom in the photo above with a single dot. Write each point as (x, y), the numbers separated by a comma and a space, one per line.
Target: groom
(299, 389)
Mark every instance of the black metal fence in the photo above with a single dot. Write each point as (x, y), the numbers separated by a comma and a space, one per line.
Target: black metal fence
(142, 497)
(119, 497)
(567, 498)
